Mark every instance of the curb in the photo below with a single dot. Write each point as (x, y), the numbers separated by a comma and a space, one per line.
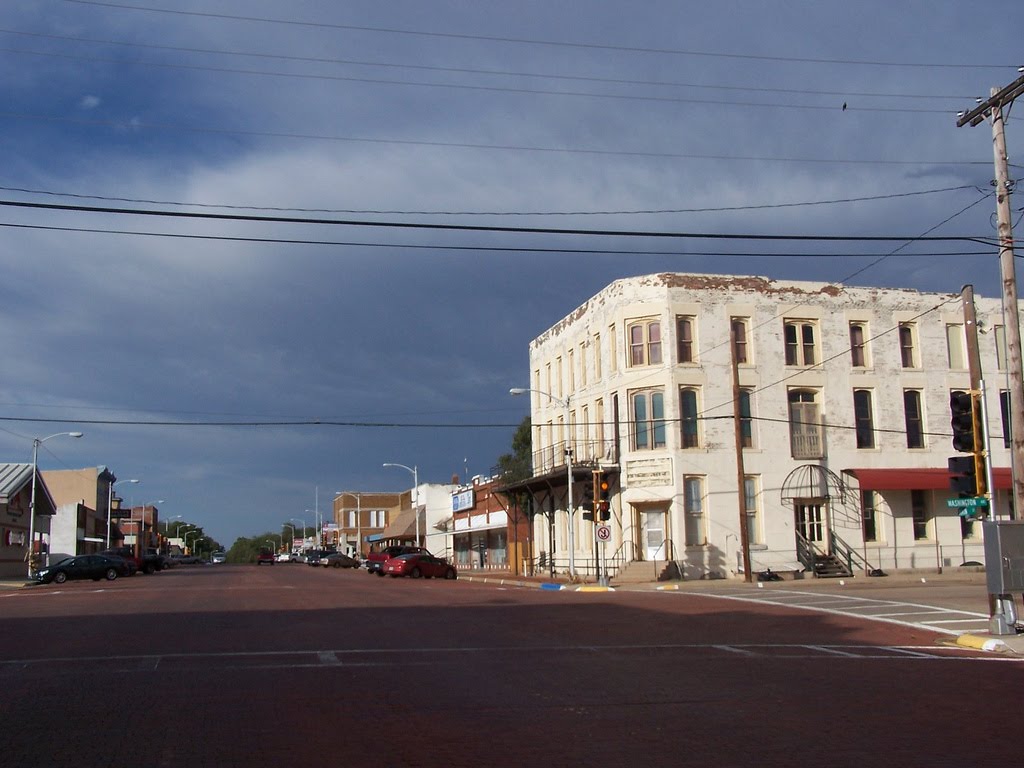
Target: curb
(594, 588)
(980, 643)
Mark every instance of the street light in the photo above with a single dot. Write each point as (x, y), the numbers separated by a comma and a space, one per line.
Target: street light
(288, 525)
(316, 526)
(110, 502)
(196, 532)
(300, 520)
(568, 467)
(359, 519)
(36, 442)
(142, 524)
(416, 491)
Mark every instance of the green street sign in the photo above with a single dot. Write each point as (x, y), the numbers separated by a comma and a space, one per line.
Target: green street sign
(978, 501)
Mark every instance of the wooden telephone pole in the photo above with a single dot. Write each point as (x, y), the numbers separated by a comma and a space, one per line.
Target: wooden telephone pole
(993, 110)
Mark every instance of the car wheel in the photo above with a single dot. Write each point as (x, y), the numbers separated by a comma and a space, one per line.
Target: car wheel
(380, 573)
(60, 577)
(415, 573)
(450, 573)
(148, 569)
(111, 574)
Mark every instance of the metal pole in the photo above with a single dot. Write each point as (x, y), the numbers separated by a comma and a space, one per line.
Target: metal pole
(32, 506)
(570, 510)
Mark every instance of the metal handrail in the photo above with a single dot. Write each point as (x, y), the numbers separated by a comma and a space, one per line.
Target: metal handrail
(840, 547)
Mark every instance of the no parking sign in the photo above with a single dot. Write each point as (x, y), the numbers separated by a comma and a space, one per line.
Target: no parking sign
(604, 533)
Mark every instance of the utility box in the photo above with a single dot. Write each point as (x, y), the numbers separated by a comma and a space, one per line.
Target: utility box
(1004, 556)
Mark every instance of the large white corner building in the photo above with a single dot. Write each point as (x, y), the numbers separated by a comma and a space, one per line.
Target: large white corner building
(844, 426)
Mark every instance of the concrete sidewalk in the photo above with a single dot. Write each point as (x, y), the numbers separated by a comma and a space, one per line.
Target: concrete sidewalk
(923, 580)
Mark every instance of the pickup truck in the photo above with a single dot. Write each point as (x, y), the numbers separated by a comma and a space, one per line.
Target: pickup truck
(150, 560)
(375, 560)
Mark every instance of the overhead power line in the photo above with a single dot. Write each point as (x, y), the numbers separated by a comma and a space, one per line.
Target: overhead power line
(137, 125)
(485, 88)
(533, 41)
(479, 248)
(483, 228)
(716, 209)
(464, 70)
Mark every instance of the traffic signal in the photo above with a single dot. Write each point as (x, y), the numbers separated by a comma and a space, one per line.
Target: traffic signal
(961, 419)
(963, 476)
(604, 505)
(587, 502)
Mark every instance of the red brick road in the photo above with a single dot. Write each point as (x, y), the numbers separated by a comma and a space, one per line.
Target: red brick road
(291, 665)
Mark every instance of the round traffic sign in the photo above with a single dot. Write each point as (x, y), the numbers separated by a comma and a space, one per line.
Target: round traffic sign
(604, 533)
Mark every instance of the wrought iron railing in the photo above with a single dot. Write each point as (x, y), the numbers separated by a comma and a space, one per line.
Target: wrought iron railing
(584, 452)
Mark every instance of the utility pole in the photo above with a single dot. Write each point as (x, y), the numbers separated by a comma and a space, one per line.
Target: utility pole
(993, 110)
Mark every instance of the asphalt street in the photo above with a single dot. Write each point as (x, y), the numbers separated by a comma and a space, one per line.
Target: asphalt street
(292, 665)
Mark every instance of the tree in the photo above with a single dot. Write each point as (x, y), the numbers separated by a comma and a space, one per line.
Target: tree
(518, 465)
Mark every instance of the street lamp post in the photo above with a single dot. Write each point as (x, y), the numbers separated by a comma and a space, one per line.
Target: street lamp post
(568, 468)
(300, 520)
(288, 525)
(36, 442)
(142, 524)
(416, 492)
(110, 502)
(316, 526)
(359, 519)
(190, 533)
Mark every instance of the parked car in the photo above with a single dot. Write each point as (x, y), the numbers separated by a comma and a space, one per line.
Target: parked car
(284, 557)
(265, 556)
(338, 560)
(93, 567)
(375, 560)
(420, 564)
(116, 554)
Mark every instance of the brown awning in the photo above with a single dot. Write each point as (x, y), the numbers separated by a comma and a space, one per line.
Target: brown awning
(917, 478)
(403, 527)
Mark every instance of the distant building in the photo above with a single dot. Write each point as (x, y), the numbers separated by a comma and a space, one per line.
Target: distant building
(80, 524)
(843, 425)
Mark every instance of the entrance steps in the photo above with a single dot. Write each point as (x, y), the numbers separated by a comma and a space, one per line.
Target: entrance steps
(644, 571)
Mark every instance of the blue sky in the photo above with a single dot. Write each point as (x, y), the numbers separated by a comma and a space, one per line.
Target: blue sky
(584, 116)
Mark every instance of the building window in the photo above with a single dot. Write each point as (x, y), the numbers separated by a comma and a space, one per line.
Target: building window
(572, 371)
(739, 336)
(648, 420)
(378, 518)
(753, 510)
(858, 352)
(644, 343)
(1004, 413)
(800, 343)
(805, 428)
(1000, 340)
(558, 377)
(351, 518)
(688, 411)
(867, 515)
(913, 418)
(684, 339)
(583, 364)
(599, 425)
(613, 349)
(908, 357)
(746, 419)
(863, 419)
(955, 347)
(919, 509)
(597, 357)
(693, 494)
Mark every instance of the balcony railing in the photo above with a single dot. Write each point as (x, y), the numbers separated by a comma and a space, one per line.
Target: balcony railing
(584, 453)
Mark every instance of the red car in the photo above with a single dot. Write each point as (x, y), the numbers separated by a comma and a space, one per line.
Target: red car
(420, 564)
(265, 556)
